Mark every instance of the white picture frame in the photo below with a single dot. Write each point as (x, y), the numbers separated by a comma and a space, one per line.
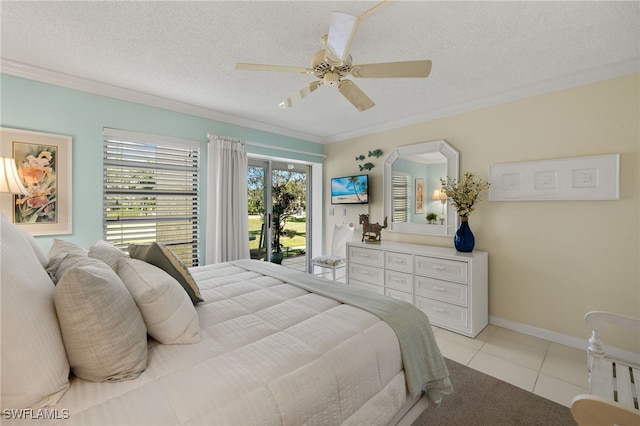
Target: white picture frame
(47, 163)
(594, 177)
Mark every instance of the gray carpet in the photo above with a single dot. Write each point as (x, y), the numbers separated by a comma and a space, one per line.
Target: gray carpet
(479, 399)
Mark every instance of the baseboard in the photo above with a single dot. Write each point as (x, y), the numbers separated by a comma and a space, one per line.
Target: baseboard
(562, 339)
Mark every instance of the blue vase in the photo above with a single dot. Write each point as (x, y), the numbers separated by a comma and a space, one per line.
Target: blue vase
(464, 239)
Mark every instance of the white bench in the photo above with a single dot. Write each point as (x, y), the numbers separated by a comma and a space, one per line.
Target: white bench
(614, 385)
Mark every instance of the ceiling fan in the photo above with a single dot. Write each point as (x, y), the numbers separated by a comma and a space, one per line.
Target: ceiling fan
(332, 64)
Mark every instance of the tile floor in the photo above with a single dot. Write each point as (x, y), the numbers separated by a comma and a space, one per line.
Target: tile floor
(547, 369)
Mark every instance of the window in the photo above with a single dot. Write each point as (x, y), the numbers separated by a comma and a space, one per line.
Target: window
(400, 190)
(151, 192)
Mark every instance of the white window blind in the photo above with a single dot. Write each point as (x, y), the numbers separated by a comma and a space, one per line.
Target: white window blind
(400, 185)
(151, 192)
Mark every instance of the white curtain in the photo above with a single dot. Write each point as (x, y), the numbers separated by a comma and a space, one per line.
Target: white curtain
(227, 227)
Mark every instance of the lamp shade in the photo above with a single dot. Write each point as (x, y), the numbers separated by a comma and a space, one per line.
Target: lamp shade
(439, 195)
(10, 182)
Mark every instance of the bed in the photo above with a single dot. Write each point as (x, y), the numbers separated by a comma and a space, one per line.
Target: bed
(264, 345)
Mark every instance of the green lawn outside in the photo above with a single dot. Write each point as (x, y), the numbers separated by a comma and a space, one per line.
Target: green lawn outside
(298, 226)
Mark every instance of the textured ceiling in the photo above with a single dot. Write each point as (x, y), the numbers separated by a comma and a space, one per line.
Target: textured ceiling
(482, 52)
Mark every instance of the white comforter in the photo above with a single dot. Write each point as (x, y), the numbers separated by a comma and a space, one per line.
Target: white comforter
(271, 353)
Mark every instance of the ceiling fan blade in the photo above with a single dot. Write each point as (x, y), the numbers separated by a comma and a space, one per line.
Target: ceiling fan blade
(306, 90)
(406, 69)
(354, 95)
(342, 31)
(273, 68)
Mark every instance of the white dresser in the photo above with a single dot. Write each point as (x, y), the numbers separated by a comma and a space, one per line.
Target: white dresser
(449, 286)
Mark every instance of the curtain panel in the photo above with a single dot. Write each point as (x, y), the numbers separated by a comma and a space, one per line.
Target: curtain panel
(227, 228)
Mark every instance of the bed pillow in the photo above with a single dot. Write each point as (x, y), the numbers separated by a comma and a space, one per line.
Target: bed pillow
(167, 311)
(63, 247)
(108, 253)
(37, 249)
(35, 370)
(159, 255)
(58, 252)
(59, 264)
(102, 329)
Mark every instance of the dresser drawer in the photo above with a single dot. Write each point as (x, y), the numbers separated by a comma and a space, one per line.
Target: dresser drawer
(442, 313)
(400, 295)
(366, 256)
(398, 261)
(398, 280)
(445, 269)
(365, 286)
(366, 273)
(441, 290)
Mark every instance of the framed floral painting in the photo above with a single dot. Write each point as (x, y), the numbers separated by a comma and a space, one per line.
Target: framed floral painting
(419, 196)
(43, 161)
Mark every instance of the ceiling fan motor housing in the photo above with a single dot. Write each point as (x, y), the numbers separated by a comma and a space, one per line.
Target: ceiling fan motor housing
(321, 67)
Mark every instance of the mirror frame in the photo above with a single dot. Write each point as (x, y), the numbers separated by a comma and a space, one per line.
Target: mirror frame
(452, 159)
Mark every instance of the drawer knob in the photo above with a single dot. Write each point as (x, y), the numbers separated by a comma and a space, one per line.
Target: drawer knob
(442, 311)
(439, 288)
(438, 268)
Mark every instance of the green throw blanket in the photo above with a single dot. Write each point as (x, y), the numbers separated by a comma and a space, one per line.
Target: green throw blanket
(424, 366)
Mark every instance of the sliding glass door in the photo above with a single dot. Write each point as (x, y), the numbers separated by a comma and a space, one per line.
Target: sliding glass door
(278, 204)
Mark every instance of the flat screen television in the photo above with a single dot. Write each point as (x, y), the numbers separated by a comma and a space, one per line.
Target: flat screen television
(350, 189)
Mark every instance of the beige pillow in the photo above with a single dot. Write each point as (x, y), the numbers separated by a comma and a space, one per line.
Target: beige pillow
(159, 255)
(58, 252)
(166, 308)
(63, 247)
(108, 253)
(59, 264)
(103, 332)
(37, 249)
(35, 370)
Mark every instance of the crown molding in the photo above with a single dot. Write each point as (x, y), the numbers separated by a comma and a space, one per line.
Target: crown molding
(30, 72)
(42, 75)
(610, 71)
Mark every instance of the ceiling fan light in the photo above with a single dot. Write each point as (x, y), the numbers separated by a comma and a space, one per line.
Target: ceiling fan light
(331, 79)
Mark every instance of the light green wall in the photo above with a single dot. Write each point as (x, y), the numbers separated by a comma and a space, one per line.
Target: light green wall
(30, 105)
(549, 261)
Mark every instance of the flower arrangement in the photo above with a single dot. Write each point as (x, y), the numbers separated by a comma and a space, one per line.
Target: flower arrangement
(464, 193)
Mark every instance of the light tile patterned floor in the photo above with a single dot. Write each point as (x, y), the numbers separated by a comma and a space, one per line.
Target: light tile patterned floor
(548, 369)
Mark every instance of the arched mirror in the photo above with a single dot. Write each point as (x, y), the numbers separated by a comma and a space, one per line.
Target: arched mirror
(412, 199)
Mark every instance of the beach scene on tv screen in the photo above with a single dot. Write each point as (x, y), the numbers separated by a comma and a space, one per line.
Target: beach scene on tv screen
(350, 190)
